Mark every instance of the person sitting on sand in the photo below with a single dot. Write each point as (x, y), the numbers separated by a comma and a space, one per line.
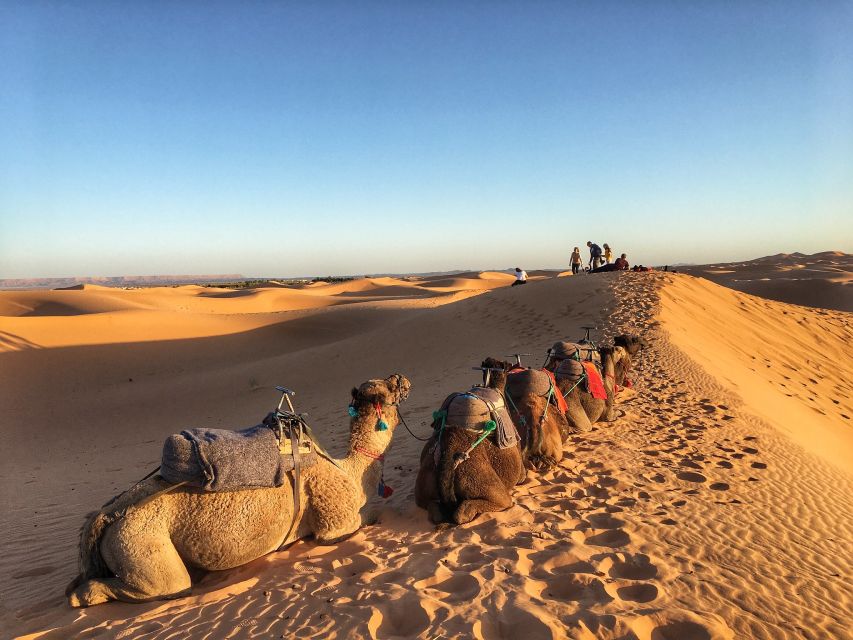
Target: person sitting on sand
(576, 261)
(622, 263)
(608, 253)
(520, 276)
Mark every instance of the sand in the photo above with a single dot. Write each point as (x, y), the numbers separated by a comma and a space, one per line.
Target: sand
(719, 505)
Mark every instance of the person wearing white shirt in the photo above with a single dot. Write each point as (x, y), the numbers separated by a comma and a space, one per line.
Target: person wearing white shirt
(520, 276)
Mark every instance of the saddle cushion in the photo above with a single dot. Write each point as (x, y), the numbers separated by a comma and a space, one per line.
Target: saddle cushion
(539, 382)
(569, 369)
(225, 460)
(472, 409)
(523, 382)
(562, 350)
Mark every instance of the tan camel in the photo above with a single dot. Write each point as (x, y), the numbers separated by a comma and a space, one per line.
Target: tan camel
(462, 482)
(138, 546)
(584, 410)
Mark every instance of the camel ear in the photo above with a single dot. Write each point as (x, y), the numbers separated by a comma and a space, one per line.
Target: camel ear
(354, 393)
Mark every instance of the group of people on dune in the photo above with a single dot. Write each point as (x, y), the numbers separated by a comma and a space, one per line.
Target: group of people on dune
(599, 259)
(599, 262)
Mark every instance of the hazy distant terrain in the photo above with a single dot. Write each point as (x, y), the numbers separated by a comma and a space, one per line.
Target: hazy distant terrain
(819, 280)
(114, 281)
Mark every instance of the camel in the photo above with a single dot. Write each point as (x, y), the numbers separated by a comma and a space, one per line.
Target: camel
(536, 408)
(139, 545)
(584, 410)
(456, 482)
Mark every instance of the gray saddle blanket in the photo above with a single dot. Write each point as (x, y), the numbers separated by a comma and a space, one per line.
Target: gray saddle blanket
(472, 409)
(224, 460)
(525, 382)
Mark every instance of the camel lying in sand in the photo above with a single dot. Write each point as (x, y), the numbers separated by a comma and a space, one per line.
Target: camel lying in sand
(583, 409)
(534, 402)
(136, 549)
(456, 482)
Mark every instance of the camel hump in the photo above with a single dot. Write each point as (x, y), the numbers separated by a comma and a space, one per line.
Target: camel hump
(527, 382)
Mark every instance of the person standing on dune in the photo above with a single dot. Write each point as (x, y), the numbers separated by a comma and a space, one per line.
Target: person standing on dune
(608, 253)
(594, 254)
(520, 276)
(576, 261)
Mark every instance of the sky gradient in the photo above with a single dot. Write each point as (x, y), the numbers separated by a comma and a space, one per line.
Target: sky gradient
(285, 139)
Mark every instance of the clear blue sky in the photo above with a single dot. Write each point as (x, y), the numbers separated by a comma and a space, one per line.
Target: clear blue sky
(312, 138)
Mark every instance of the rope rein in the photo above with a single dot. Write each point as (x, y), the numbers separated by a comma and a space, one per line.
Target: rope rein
(411, 433)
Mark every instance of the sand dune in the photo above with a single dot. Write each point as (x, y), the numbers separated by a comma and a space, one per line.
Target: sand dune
(717, 506)
(820, 280)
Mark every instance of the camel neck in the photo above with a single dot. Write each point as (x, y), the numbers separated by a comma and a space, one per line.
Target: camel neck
(368, 446)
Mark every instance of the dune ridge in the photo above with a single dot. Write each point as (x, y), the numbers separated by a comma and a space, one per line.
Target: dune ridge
(821, 280)
(699, 513)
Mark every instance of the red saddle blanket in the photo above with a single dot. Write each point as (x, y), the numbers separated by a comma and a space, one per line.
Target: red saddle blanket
(594, 381)
(562, 405)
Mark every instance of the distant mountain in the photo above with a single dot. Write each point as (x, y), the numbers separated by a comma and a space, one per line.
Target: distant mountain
(115, 281)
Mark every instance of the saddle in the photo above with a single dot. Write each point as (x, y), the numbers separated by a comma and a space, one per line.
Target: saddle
(225, 460)
(570, 370)
(473, 409)
(579, 361)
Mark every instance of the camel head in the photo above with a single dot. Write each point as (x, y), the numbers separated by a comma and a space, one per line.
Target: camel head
(373, 411)
(631, 343)
(494, 373)
(388, 392)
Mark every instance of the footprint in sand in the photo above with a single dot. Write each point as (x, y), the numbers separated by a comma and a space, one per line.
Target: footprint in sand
(610, 538)
(404, 617)
(720, 486)
(576, 589)
(690, 476)
(626, 566)
(638, 592)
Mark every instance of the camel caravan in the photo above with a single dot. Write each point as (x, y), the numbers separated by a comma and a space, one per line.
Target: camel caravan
(222, 498)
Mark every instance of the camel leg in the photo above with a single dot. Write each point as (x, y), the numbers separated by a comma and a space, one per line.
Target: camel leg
(326, 533)
(491, 495)
(149, 569)
(436, 513)
(578, 419)
(497, 500)
(332, 508)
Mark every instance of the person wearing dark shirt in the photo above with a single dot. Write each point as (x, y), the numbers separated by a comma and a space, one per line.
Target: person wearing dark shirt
(594, 254)
(621, 263)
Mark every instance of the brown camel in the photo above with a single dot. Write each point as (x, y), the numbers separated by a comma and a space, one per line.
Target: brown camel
(139, 545)
(462, 473)
(535, 405)
(583, 409)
